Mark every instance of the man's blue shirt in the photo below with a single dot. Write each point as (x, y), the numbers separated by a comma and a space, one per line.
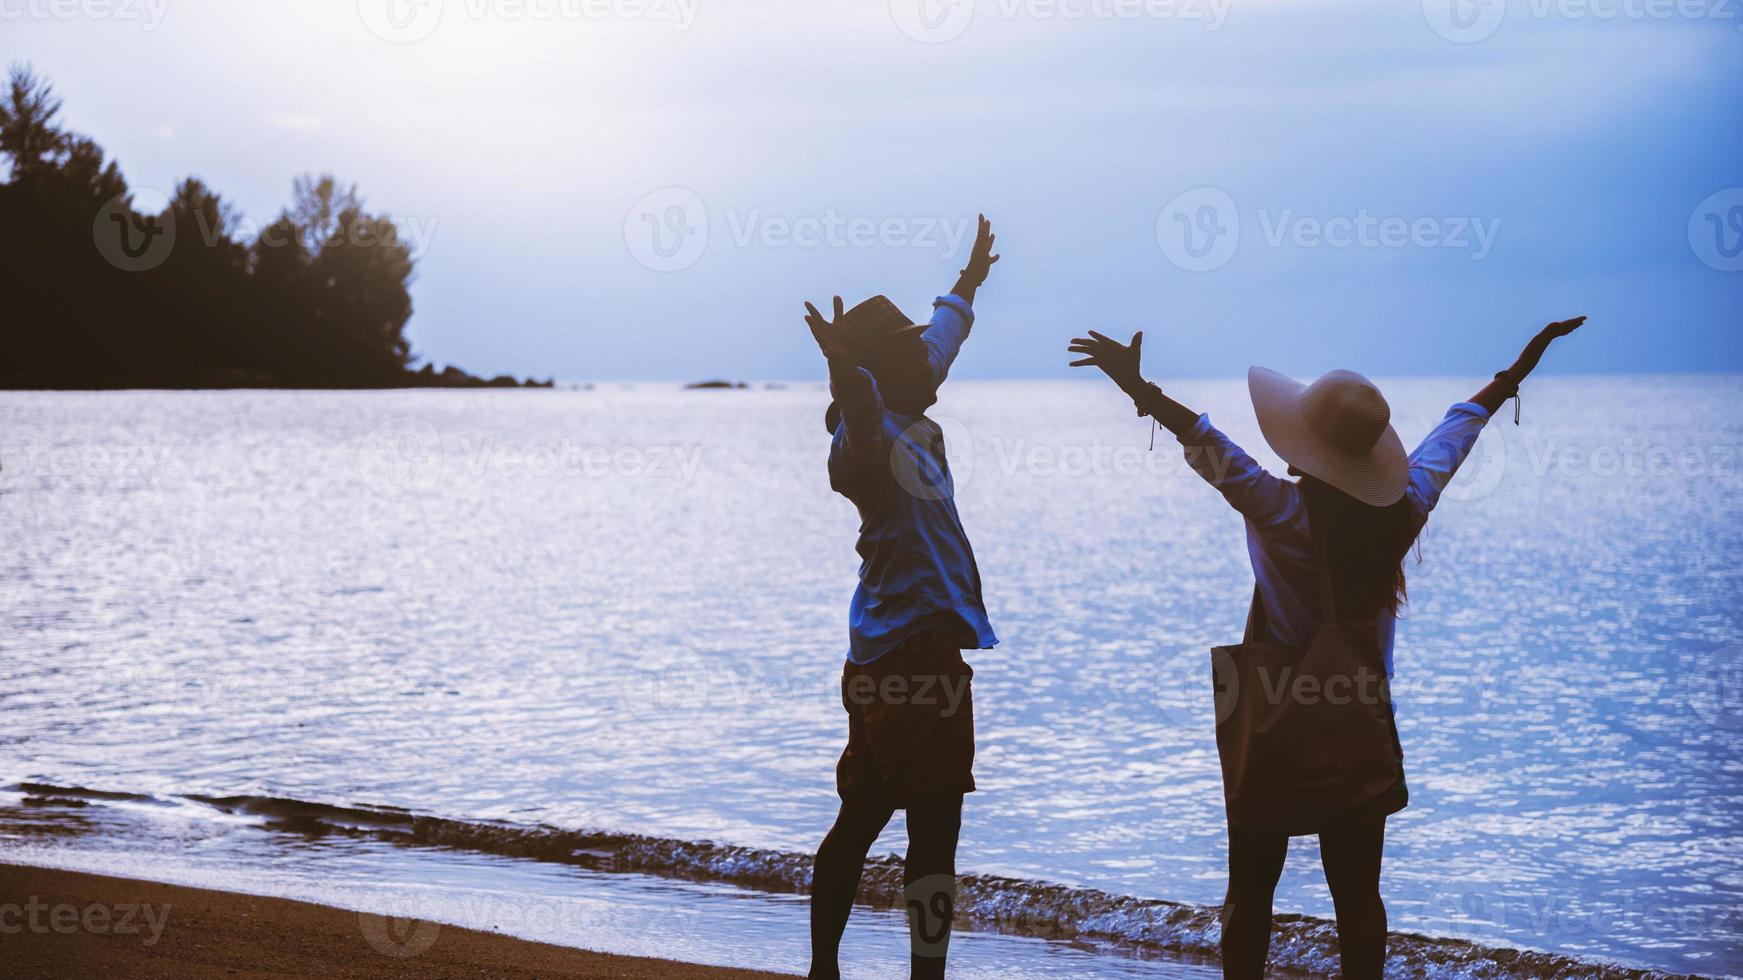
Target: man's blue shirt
(917, 570)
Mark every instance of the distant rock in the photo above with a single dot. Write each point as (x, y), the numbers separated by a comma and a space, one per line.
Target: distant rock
(453, 377)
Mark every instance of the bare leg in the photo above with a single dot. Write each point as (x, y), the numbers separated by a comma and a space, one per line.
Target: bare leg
(835, 880)
(1255, 864)
(1352, 869)
(934, 824)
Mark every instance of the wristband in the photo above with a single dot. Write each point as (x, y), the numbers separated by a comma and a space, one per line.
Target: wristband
(1507, 376)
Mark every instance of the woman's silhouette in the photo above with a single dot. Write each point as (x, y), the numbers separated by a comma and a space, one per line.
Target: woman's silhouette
(1327, 554)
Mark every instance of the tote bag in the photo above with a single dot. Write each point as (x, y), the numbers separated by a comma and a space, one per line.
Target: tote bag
(1307, 737)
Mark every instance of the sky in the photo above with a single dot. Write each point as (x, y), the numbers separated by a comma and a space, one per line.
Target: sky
(650, 189)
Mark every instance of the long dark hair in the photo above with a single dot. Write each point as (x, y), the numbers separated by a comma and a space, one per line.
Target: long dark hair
(1365, 547)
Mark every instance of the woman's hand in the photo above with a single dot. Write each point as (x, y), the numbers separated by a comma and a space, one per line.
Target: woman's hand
(1506, 384)
(1561, 328)
(1118, 361)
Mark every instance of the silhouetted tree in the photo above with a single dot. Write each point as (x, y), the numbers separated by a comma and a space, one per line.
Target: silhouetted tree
(95, 294)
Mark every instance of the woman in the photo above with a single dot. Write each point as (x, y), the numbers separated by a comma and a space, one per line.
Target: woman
(1328, 553)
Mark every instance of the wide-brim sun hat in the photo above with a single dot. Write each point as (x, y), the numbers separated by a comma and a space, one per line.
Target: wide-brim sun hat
(1337, 430)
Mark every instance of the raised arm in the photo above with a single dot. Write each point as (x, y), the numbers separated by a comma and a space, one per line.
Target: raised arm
(1506, 383)
(1257, 495)
(980, 262)
(851, 386)
(1120, 362)
(952, 315)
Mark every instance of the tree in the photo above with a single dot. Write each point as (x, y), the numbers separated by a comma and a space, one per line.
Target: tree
(28, 135)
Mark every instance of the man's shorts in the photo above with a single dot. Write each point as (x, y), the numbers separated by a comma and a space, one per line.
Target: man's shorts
(910, 723)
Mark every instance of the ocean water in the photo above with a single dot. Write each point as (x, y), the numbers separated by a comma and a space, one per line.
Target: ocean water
(533, 622)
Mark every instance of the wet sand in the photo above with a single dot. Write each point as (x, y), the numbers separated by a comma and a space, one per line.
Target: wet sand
(60, 924)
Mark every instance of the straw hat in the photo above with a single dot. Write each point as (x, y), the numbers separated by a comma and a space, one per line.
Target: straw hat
(874, 323)
(1337, 430)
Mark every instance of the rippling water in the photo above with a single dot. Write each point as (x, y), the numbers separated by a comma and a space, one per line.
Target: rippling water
(624, 608)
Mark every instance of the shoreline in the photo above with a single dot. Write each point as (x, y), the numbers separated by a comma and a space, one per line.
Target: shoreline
(64, 924)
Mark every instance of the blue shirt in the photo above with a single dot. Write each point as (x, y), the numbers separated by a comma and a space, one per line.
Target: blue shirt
(1278, 541)
(917, 571)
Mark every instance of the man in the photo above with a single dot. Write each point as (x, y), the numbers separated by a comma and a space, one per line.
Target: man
(910, 743)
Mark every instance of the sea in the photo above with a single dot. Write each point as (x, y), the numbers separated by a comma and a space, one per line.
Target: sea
(565, 663)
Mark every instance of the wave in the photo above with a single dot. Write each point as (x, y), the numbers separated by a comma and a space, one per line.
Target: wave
(1300, 944)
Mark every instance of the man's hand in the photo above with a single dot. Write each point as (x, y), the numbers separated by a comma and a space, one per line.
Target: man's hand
(981, 259)
(1118, 361)
(828, 333)
(980, 262)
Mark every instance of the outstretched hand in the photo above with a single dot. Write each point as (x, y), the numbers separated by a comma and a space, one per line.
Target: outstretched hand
(981, 258)
(1118, 361)
(828, 333)
(1561, 328)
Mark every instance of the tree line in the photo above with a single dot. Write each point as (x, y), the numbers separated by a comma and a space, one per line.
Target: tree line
(96, 293)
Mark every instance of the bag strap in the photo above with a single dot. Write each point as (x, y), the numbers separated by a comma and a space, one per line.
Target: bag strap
(1256, 618)
(1328, 606)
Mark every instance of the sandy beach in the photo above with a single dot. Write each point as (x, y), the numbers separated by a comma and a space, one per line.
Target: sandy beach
(59, 924)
